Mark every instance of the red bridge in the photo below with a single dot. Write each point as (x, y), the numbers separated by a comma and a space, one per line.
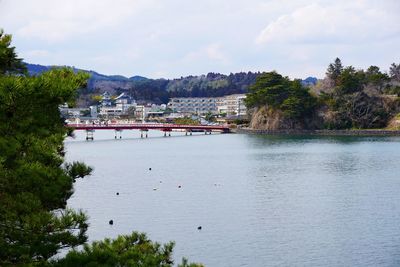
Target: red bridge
(145, 127)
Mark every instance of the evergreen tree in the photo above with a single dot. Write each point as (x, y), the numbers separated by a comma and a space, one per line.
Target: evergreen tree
(128, 250)
(35, 182)
(270, 89)
(334, 70)
(350, 80)
(9, 62)
(395, 72)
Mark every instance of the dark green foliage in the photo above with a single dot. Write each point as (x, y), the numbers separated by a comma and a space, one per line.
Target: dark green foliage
(210, 85)
(34, 185)
(161, 90)
(375, 77)
(278, 92)
(9, 62)
(350, 81)
(77, 170)
(356, 100)
(35, 182)
(334, 70)
(270, 89)
(147, 89)
(128, 250)
(350, 98)
(300, 103)
(395, 90)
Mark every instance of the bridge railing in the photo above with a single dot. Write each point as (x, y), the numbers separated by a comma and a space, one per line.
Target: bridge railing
(145, 125)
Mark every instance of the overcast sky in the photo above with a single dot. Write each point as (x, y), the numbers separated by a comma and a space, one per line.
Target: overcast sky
(174, 38)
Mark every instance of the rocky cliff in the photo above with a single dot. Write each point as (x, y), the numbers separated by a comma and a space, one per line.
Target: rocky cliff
(264, 118)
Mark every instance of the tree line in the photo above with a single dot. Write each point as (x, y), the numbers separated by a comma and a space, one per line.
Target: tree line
(346, 98)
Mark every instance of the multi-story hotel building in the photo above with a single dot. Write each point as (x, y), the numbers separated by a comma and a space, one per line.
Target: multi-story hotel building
(230, 105)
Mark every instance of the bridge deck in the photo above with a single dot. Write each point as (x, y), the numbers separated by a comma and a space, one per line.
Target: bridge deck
(146, 127)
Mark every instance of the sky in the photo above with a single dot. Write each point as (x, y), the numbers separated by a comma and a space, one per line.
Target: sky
(174, 38)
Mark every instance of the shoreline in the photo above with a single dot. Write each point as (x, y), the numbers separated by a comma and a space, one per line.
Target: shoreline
(320, 132)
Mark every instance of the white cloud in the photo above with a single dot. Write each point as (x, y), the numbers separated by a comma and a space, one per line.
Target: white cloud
(37, 53)
(172, 38)
(341, 22)
(215, 52)
(59, 20)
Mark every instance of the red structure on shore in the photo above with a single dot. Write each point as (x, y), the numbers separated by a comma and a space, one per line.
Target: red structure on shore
(145, 127)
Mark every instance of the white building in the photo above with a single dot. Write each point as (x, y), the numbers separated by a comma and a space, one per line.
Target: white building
(230, 105)
(123, 103)
(194, 105)
(93, 112)
(235, 105)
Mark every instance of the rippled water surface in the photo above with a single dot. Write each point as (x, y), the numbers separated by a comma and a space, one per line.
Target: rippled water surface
(261, 200)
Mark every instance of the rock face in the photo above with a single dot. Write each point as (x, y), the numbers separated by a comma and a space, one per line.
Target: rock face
(268, 119)
(394, 123)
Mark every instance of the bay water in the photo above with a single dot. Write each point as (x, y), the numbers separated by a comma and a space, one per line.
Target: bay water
(260, 200)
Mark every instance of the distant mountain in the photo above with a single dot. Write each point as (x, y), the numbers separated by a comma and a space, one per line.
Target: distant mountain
(138, 78)
(161, 90)
(309, 81)
(35, 69)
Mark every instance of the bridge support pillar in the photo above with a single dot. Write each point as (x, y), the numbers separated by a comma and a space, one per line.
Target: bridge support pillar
(169, 133)
(165, 134)
(190, 132)
(143, 133)
(89, 135)
(116, 134)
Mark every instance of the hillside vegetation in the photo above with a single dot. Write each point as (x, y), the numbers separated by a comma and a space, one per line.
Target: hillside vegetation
(346, 98)
(160, 90)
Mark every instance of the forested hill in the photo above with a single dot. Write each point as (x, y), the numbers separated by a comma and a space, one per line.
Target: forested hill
(160, 90)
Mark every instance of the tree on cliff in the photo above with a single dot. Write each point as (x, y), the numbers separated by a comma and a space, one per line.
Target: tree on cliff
(334, 70)
(350, 81)
(280, 93)
(395, 72)
(356, 100)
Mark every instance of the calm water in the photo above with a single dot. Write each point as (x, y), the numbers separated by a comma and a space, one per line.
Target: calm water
(261, 201)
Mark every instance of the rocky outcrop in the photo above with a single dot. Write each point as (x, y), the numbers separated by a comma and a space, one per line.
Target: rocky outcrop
(264, 118)
(394, 123)
(358, 110)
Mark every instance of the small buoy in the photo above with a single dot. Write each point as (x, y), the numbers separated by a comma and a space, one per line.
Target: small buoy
(149, 169)
(160, 182)
(154, 189)
(179, 186)
(117, 193)
(111, 222)
(199, 228)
